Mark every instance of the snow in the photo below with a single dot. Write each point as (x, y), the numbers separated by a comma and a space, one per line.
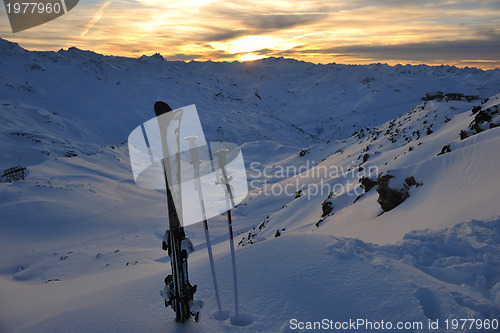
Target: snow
(81, 242)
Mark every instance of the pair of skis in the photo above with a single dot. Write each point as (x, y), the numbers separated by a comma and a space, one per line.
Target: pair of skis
(178, 292)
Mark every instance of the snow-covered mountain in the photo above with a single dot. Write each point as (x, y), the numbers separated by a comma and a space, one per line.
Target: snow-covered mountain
(81, 242)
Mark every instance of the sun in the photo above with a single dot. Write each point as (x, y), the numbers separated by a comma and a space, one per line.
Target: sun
(250, 57)
(250, 48)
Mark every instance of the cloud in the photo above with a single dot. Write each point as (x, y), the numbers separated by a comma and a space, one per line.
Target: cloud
(255, 24)
(214, 55)
(95, 19)
(280, 21)
(220, 35)
(183, 57)
(471, 49)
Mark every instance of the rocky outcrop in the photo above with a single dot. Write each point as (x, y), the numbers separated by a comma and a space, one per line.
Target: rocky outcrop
(445, 149)
(389, 197)
(326, 207)
(484, 119)
(367, 184)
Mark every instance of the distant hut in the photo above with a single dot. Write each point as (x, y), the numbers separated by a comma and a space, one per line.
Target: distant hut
(454, 96)
(470, 98)
(438, 96)
(13, 174)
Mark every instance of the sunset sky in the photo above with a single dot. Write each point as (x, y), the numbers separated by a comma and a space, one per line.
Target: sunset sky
(462, 33)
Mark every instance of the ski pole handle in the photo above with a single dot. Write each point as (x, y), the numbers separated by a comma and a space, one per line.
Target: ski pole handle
(195, 154)
(222, 153)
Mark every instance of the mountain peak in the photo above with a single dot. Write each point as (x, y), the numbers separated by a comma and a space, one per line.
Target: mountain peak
(8, 47)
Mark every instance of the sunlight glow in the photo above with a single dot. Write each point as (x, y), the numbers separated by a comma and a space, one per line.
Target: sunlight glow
(250, 57)
(252, 43)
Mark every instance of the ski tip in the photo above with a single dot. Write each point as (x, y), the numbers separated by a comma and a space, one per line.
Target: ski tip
(161, 108)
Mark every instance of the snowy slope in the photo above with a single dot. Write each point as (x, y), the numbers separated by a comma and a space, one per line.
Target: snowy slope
(81, 242)
(456, 187)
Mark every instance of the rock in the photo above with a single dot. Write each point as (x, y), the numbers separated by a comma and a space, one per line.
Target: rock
(327, 206)
(483, 116)
(484, 120)
(445, 149)
(390, 198)
(303, 151)
(320, 221)
(410, 181)
(367, 184)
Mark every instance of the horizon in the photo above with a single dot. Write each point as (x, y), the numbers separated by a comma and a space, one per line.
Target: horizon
(257, 60)
(456, 33)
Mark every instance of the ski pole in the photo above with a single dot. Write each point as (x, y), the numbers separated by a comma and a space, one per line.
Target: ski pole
(224, 181)
(195, 161)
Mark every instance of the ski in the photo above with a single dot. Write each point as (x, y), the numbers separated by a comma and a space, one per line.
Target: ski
(178, 292)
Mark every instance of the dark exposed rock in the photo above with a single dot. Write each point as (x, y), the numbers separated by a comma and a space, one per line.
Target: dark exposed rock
(410, 181)
(327, 207)
(367, 184)
(277, 234)
(484, 120)
(390, 198)
(482, 116)
(303, 151)
(445, 149)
